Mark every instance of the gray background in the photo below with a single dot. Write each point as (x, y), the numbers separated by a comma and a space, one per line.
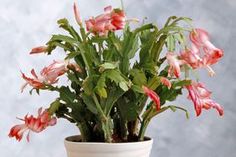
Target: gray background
(26, 23)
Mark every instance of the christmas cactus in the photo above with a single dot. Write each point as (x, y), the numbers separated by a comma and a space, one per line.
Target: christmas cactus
(120, 77)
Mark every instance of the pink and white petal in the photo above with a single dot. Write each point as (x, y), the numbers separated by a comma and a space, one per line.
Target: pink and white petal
(23, 87)
(40, 111)
(219, 108)
(166, 82)
(199, 36)
(202, 91)
(193, 95)
(216, 106)
(108, 9)
(40, 49)
(153, 96)
(53, 121)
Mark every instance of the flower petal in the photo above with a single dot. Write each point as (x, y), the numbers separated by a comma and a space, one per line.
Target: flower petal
(40, 49)
(77, 14)
(166, 82)
(174, 63)
(153, 96)
(201, 98)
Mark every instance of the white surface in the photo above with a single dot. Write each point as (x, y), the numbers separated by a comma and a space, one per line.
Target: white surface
(26, 23)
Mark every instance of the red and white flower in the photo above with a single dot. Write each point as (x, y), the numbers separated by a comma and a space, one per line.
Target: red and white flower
(34, 124)
(153, 96)
(111, 20)
(174, 63)
(49, 75)
(201, 98)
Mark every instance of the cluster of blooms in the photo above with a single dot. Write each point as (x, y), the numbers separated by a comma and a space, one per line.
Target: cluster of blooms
(48, 75)
(202, 54)
(193, 57)
(31, 123)
(198, 93)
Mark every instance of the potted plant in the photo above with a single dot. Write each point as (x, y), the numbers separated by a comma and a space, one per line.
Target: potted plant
(111, 96)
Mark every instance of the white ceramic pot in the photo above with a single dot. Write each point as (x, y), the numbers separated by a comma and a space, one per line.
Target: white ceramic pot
(90, 149)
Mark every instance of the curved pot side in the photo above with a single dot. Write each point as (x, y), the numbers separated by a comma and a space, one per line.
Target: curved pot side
(81, 149)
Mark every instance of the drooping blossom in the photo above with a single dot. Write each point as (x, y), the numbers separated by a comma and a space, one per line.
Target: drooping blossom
(111, 20)
(49, 75)
(40, 49)
(201, 41)
(153, 96)
(166, 82)
(174, 63)
(34, 124)
(77, 14)
(201, 98)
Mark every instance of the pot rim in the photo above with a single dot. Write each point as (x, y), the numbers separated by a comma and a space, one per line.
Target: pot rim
(147, 140)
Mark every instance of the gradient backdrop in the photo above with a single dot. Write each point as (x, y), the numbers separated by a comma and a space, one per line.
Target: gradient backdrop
(26, 23)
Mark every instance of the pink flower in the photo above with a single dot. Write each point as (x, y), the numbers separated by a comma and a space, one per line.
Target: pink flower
(201, 98)
(154, 97)
(31, 123)
(111, 20)
(51, 73)
(166, 82)
(200, 38)
(174, 63)
(77, 14)
(40, 49)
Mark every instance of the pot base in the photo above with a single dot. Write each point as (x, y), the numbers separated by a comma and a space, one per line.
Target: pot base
(91, 149)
